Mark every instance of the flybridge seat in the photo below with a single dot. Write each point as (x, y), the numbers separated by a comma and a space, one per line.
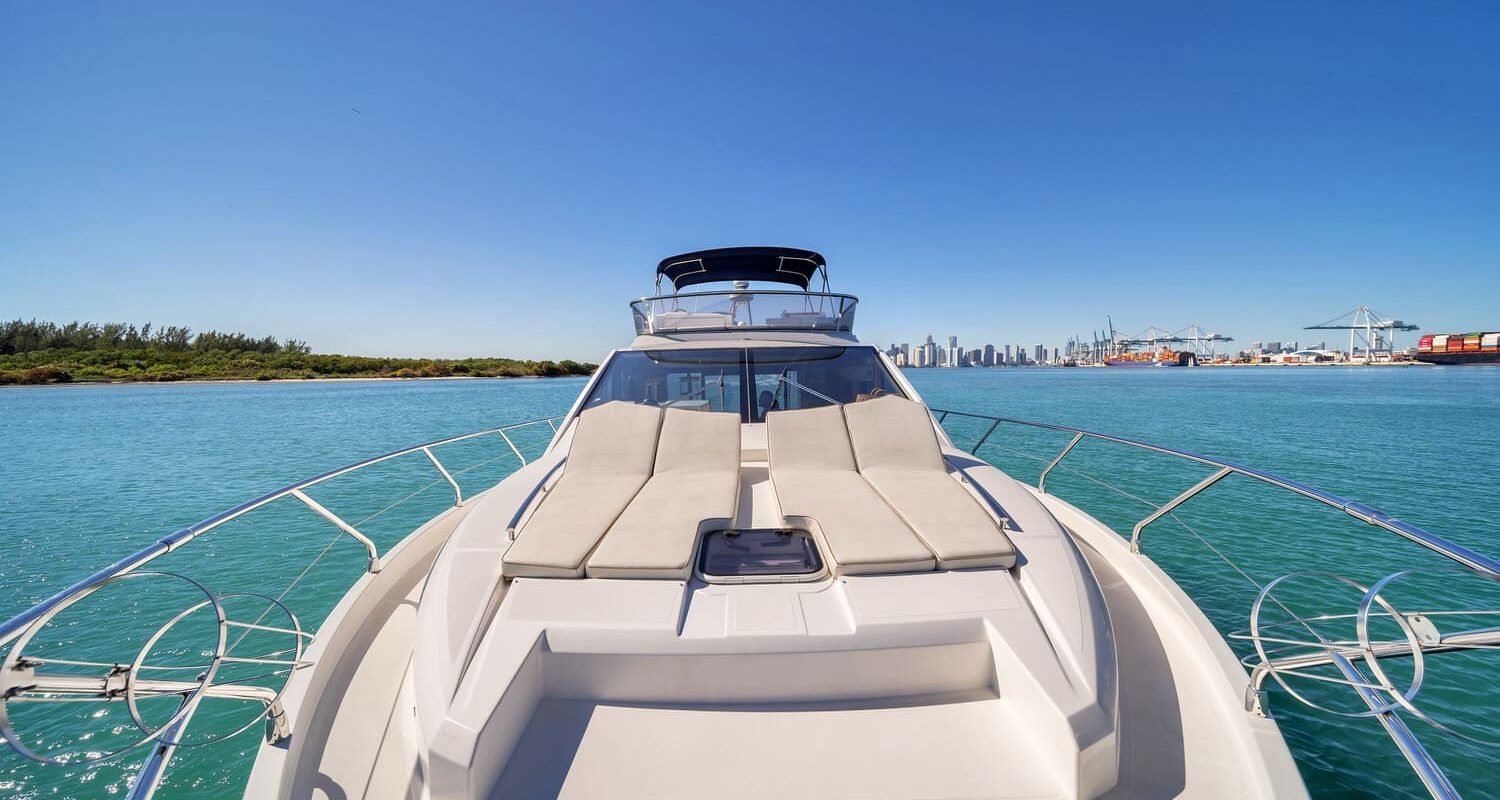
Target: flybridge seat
(871, 477)
(690, 320)
(694, 489)
(610, 459)
(645, 483)
(898, 453)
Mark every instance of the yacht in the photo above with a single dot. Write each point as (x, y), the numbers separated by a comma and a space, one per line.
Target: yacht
(749, 562)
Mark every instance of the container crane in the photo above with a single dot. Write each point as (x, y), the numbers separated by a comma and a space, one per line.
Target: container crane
(1365, 325)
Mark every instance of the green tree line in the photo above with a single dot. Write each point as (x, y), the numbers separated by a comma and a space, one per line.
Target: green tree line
(22, 336)
(33, 352)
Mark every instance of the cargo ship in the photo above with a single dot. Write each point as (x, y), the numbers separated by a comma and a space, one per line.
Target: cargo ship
(1459, 348)
(1164, 358)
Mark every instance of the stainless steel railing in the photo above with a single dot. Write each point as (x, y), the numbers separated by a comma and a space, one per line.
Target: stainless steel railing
(1360, 511)
(26, 679)
(1318, 650)
(174, 541)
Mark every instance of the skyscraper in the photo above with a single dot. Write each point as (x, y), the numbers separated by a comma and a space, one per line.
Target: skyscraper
(1007, 354)
(1041, 354)
(989, 355)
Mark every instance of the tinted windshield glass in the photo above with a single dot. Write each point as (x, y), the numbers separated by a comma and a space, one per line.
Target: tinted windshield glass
(750, 382)
(788, 378)
(700, 379)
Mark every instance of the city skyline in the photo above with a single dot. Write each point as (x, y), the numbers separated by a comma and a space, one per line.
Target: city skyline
(930, 354)
(1403, 337)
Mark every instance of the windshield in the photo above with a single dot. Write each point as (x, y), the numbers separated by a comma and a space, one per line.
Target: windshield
(749, 382)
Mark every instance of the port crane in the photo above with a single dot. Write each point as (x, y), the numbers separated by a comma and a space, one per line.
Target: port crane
(1199, 341)
(1366, 326)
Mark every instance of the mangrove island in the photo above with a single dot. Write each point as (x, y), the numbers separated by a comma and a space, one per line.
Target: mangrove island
(33, 352)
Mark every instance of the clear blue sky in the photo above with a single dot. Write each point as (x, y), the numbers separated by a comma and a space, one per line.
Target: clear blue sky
(452, 179)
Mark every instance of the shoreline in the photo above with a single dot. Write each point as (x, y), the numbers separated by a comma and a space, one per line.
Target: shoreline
(1151, 367)
(329, 379)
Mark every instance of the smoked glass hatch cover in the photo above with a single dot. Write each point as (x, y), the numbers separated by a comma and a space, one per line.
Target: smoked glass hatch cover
(759, 551)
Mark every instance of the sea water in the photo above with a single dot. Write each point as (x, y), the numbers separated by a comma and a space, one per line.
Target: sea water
(91, 473)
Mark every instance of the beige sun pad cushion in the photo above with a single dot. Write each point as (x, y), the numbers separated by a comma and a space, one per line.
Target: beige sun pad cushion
(609, 460)
(898, 453)
(813, 471)
(695, 488)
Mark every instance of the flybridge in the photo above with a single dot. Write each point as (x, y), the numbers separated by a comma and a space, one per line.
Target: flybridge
(740, 307)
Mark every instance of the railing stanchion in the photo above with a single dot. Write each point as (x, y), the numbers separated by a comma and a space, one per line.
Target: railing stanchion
(458, 494)
(1041, 483)
(342, 525)
(985, 437)
(149, 776)
(512, 447)
(1421, 762)
(1135, 534)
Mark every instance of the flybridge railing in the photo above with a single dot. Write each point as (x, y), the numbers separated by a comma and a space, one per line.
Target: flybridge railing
(27, 678)
(744, 309)
(1292, 649)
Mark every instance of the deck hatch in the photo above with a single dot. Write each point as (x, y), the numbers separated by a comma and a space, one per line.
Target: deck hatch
(759, 554)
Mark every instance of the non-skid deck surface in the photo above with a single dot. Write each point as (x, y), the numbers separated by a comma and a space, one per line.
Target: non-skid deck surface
(582, 749)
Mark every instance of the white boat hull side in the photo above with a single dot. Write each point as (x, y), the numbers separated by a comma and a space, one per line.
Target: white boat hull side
(1225, 751)
(342, 708)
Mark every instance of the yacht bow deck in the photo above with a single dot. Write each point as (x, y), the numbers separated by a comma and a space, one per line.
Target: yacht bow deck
(923, 685)
(592, 674)
(985, 682)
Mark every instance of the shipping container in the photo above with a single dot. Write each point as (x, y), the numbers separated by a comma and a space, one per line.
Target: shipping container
(1481, 347)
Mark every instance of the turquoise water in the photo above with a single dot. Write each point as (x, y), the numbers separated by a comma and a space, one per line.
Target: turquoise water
(91, 473)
